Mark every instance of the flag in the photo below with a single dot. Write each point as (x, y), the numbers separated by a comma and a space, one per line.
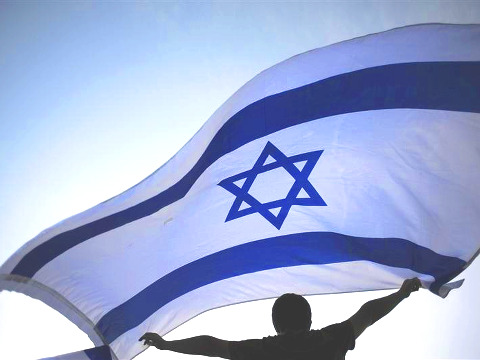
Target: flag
(96, 353)
(346, 168)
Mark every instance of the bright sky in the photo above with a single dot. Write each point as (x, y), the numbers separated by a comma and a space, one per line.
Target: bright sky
(95, 96)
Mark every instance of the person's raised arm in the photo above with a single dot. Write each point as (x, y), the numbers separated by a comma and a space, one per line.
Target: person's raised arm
(374, 310)
(199, 345)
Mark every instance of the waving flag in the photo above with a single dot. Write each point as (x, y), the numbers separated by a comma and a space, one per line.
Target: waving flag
(346, 168)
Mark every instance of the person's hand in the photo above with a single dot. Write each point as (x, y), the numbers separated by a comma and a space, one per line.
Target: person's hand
(154, 340)
(409, 286)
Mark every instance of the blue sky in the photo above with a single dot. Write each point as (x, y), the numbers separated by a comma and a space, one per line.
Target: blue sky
(94, 96)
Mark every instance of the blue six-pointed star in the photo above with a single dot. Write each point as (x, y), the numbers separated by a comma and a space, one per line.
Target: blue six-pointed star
(301, 182)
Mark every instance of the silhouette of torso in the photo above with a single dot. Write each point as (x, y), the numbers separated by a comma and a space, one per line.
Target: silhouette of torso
(329, 343)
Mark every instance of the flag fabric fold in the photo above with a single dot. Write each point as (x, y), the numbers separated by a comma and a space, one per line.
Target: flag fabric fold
(347, 168)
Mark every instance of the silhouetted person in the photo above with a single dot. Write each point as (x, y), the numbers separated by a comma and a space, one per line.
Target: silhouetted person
(291, 317)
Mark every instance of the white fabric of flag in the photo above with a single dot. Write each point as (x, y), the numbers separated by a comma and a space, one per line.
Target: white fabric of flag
(347, 168)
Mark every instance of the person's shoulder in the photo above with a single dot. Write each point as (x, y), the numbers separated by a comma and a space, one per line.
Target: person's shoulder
(338, 327)
(245, 349)
(298, 340)
(340, 332)
(272, 339)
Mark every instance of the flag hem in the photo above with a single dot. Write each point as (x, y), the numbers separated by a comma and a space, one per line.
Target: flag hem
(56, 301)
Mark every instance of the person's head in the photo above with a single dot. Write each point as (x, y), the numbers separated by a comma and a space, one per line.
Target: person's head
(291, 312)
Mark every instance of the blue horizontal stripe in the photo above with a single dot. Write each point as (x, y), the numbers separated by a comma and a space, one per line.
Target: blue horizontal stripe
(276, 252)
(99, 353)
(428, 85)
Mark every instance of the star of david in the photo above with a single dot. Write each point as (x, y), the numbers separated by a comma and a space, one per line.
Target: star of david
(260, 166)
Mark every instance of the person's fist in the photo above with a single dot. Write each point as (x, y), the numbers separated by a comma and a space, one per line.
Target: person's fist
(409, 286)
(153, 339)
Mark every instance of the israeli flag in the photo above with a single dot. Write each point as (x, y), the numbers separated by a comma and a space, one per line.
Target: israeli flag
(346, 168)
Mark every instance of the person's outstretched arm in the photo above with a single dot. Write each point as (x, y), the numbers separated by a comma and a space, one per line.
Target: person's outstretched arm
(374, 310)
(199, 345)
